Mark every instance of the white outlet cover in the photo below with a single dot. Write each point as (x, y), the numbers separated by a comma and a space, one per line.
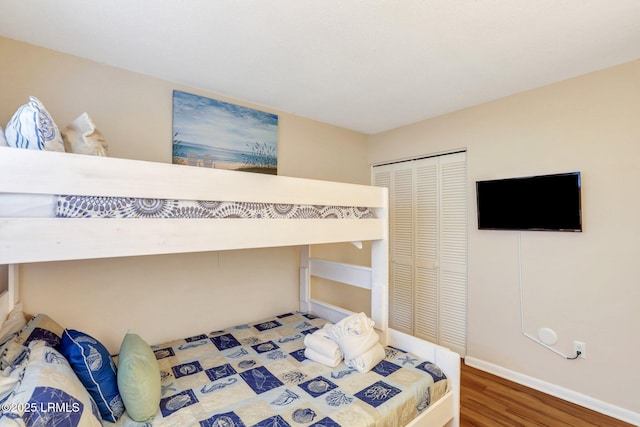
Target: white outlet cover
(548, 336)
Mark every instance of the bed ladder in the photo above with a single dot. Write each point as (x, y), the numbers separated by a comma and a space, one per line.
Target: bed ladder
(373, 278)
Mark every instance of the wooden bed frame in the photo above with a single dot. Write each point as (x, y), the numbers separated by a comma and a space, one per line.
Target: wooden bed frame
(26, 240)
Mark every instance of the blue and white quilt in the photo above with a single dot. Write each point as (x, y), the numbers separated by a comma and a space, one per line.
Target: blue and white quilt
(256, 375)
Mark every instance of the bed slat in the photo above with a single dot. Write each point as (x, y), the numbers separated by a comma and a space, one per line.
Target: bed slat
(353, 275)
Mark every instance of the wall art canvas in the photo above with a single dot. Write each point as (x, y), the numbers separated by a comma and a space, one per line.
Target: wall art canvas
(215, 134)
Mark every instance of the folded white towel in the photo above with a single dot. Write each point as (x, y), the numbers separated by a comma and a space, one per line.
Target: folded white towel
(325, 329)
(354, 335)
(323, 345)
(368, 360)
(353, 347)
(332, 362)
(353, 325)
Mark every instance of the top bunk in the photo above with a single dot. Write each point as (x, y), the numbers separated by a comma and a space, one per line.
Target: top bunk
(348, 212)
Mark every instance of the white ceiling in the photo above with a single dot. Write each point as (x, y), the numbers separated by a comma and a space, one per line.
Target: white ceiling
(366, 65)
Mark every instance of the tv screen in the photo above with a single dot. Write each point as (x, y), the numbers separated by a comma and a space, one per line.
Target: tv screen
(544, 202)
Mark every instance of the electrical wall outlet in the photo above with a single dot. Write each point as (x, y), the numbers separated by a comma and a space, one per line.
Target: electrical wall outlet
(579, 346)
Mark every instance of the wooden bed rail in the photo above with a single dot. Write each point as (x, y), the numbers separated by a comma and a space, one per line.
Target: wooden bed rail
(55, 239)
(47, 172)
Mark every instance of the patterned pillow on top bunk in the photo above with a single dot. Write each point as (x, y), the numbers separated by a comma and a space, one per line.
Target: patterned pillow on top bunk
(33, 127)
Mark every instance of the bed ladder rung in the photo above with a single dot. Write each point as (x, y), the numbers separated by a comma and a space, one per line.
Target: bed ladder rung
(350, 274)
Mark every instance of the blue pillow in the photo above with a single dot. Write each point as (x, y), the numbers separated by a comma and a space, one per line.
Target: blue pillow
(94, 366)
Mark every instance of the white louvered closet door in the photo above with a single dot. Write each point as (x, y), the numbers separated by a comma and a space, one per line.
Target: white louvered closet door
(399, 180)
(428, 245)
(453, 252)
(426, 196)
(401, 309)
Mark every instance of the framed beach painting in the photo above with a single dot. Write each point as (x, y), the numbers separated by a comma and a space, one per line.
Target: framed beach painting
(215, 134)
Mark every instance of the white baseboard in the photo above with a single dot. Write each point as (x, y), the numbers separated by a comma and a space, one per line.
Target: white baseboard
(555, 390)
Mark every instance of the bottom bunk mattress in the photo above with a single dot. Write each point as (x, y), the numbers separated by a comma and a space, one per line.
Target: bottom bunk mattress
(257, 375)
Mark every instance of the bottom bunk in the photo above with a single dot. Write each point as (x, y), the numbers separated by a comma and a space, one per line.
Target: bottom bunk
(261, 361)
(257, 374)
(254, 374)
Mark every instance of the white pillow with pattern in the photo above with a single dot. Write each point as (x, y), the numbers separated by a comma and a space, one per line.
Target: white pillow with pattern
(33, 127)
(47, 392)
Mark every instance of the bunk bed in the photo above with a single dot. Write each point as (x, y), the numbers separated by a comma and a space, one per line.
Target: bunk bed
(51, 174)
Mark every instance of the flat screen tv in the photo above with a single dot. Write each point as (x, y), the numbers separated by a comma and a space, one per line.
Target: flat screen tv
(543, 202)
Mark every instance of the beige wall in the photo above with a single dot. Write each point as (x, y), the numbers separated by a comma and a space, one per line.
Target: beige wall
(161, 297)
(585, 285)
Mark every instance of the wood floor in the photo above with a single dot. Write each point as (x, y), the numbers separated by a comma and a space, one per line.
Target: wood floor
(487, 400)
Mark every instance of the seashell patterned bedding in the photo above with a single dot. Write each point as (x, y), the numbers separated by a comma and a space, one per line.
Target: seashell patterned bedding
(256, 375)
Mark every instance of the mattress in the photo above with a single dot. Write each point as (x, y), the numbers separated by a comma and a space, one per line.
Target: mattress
(27, 205)
(256, 375)
(65, 206)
